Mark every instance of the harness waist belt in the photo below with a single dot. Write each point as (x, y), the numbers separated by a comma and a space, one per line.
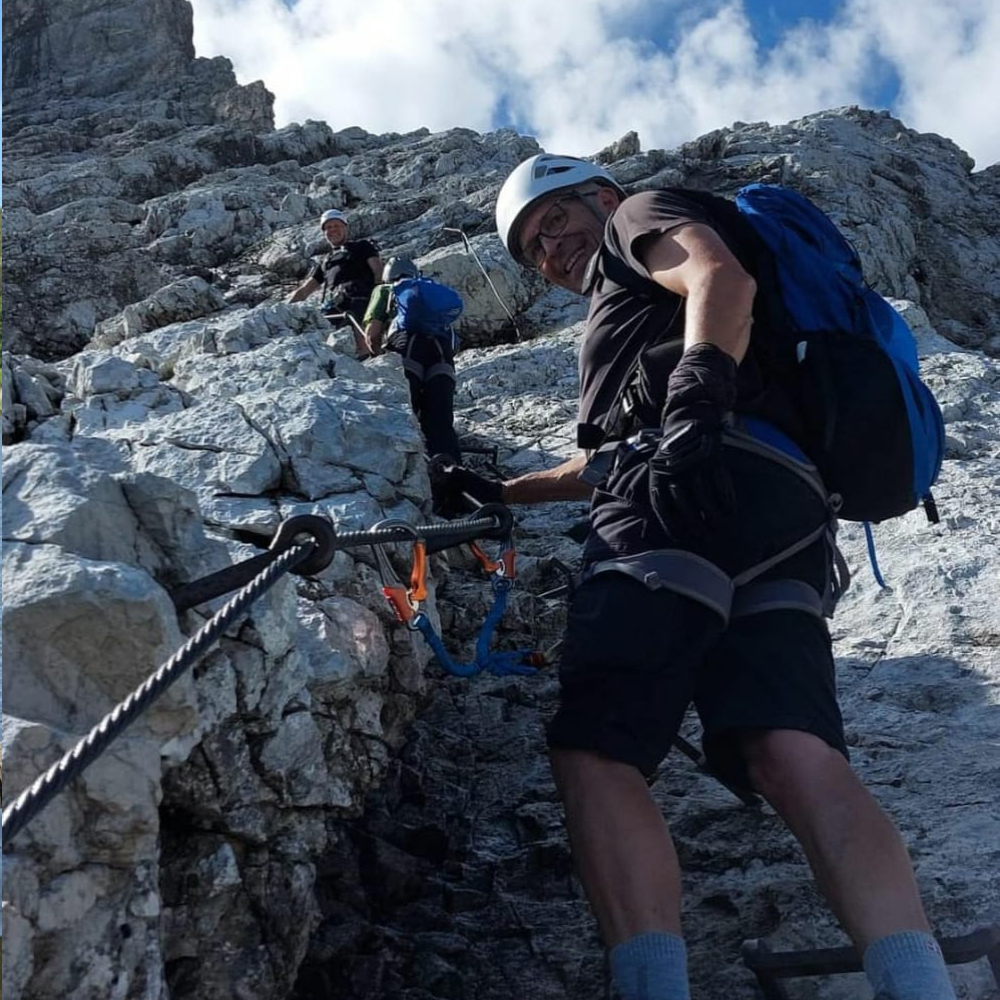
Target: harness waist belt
(776, 595)
(676, 570)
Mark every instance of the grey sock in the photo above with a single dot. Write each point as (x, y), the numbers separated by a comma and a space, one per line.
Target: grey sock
(651, 966)
(908, 966)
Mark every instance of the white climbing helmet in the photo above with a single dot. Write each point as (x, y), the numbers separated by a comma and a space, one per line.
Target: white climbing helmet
(536, 177)
(330, 214)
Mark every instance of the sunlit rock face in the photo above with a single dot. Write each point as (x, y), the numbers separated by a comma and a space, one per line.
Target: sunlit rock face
(316, 810)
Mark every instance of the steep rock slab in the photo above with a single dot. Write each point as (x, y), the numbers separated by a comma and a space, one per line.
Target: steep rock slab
(458, 879)
(113, 195)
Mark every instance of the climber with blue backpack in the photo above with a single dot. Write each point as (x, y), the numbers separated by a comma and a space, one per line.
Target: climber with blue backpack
(740, 389)
(414, 317)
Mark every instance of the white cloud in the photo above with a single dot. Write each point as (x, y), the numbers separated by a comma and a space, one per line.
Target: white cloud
(947, 58)
(580, 73)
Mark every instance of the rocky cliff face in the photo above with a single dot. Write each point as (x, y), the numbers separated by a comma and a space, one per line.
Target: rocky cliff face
(316, 811)
(96, 96)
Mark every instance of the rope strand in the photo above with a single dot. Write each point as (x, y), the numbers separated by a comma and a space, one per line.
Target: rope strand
(31, 801)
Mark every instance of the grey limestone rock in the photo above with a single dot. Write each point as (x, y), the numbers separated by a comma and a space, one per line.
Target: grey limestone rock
(316, 810)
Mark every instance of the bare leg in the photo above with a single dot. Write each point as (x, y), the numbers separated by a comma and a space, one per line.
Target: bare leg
(855, 852)
(621, 845)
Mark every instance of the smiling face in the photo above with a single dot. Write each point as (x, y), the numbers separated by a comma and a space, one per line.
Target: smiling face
(335, 231)
(561, 233)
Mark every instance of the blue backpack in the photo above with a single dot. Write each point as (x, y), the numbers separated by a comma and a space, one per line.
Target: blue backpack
(426, 307)
(875, 430)
(872, 427)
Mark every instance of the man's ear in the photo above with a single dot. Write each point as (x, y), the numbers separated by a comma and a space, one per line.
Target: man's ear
(608, 198)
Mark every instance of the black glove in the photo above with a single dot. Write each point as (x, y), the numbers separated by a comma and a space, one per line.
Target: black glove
(453, 484)
(334, 303)
(689, 485)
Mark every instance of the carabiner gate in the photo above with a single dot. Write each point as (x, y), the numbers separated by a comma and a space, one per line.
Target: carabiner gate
(502, 567)
(404, 600)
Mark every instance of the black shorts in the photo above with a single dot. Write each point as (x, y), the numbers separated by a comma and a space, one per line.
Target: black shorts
(634, 659)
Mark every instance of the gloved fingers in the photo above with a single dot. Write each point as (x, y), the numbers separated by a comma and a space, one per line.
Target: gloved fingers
(723, 490)
(457, 490)
(683, 446)
(442, 471)
(441, 465)
(479, 488)
(678, 517)
(689, 505)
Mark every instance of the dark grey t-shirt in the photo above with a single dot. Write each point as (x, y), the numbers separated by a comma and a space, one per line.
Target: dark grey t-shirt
(345, 269)
(622, 321)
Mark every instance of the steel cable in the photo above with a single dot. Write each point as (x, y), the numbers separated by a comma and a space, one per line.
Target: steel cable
(31, 801)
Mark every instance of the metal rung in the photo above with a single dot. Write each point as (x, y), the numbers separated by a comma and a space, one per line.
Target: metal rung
(770, 966)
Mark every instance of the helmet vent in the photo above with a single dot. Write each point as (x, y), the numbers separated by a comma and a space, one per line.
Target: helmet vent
(543, 171)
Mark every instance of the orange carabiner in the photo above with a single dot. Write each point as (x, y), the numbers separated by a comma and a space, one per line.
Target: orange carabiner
(484, 560)
(405, 601)
(503, 565)
(418, 575)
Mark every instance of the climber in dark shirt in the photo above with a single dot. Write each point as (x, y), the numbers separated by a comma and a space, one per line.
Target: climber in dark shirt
(347, 275)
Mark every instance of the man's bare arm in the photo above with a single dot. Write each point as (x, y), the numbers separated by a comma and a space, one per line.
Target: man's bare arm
(559, 483)
(304, 290)
(692, 261)
(373, 334)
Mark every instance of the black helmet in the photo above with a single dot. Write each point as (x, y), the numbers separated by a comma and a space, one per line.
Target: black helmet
(399, 267)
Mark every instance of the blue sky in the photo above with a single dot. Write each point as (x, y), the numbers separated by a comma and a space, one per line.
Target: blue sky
(578, 74)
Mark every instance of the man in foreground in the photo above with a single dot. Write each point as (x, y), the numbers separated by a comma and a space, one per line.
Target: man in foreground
(707, 572)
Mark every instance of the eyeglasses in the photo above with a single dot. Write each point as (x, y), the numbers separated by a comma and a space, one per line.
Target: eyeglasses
(553, 224)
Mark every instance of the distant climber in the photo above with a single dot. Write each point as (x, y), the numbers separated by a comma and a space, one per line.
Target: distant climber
(413, 316)
(347, 275)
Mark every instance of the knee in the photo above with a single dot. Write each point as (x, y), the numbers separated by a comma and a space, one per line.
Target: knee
(786, 764)
(577, 771)
(570, 767)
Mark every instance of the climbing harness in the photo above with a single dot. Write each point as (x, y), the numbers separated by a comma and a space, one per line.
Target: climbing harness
(303, 545)
(493, 288)
(405, 602)
(701, 580)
